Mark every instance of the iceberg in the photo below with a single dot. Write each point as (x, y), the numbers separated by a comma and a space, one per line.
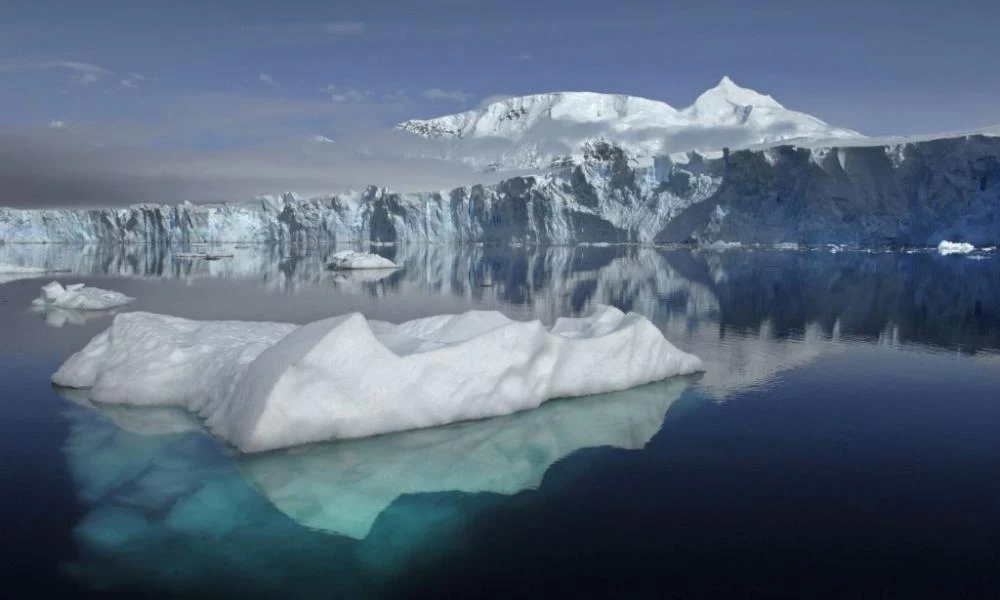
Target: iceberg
(945, 248)
(262, 386)
(348, 260)
(78, 296)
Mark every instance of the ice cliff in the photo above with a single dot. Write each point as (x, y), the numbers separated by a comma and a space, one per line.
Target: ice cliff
(917, 192)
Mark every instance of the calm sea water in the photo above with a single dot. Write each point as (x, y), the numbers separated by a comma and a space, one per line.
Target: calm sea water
(842, 442)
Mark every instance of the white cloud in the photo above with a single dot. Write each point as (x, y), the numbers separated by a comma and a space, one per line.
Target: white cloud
(339, 94)
(525, 56)
(344, 27)
(128, 84)
(440, 94)
(267, 79)
(81, 73)
(137, 76)
(84, 78)
(397, 96)
(57, 124)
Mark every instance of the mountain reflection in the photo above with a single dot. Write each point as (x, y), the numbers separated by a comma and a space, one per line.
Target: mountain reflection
(922, 298)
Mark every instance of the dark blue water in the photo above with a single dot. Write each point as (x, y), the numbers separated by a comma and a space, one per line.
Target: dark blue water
(842, 442)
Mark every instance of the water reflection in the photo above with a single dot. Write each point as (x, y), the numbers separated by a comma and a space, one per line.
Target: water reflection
(343, 487)
(163, 499)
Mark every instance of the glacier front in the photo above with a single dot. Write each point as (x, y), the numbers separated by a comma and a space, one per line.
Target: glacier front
(263, 386)
(869, 192)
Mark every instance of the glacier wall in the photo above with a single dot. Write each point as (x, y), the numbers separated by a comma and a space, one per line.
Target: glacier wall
(915, 193)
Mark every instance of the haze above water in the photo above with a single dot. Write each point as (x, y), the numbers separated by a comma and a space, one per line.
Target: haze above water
(842, 437)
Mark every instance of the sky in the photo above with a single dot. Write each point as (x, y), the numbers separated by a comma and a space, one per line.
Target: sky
(185, 77)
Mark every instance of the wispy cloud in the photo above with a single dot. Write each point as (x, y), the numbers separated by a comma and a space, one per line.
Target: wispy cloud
(56, 124)
(525, 56)
(441, 94)
(267, 80)
(348, 94)
(81, 73)
(345, 27)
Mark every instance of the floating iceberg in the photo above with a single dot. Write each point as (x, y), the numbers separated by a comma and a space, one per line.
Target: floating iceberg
(78, 296)
(262, 386)
(945, 248)
(349, 259)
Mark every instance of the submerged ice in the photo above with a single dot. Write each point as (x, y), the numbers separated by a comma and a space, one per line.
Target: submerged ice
(262, 386)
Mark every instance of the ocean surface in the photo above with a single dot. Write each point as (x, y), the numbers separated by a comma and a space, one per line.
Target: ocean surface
(843, 441)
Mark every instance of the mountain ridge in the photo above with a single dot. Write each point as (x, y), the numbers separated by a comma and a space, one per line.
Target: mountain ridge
(547, 129)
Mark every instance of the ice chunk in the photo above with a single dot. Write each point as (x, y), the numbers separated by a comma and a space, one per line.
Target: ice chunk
(264, 385)
(349, 259)
(78, 296)
(945, 248)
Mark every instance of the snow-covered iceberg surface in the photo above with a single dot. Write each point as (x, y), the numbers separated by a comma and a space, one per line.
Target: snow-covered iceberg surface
(262, 386)
(78, 296)
(945, 248)
(351, 260)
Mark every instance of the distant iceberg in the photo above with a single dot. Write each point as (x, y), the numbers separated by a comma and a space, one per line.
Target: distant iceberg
(348, 260)
(263, 386)
(945, 248)
(78, 296)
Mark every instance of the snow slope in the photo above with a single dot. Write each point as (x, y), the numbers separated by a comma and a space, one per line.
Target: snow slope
(541, 130)
(262, 386)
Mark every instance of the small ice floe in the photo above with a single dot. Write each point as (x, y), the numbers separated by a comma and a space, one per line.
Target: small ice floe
(348, 260)
(945, 248)
(200, 255)
(78, 296)
(723, 245)
(263, 386)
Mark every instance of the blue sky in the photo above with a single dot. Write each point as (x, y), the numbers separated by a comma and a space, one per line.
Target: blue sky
(225, 72)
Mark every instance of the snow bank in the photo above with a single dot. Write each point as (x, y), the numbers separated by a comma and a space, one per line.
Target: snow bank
(945, 248)
(77, 296)
(349, 259)
(265, 385)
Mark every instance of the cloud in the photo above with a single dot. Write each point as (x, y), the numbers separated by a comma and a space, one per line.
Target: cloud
(525, 56)
(56, 124)
(349, 94)
(130, 84)
(440, 94)
(397, 96)
(344, 27)
(267, 79)
(81, 73)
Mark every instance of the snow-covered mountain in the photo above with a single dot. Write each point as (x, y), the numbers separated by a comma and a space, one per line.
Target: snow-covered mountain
(542, 130)
(863, 192)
